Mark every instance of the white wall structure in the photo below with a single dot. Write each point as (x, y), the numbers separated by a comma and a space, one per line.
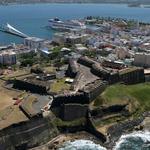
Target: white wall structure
(34, 43)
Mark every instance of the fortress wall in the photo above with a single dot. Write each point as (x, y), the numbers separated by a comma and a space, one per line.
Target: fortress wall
(79, 98)
(113, 65)
(23, 85)
(73, 68)
(75, 84)
(94, 89)
(71, 112)
(27, 134)
(106, 71)
(111, 77)
(86, 61)
(84, 96)
(100, 112)
(99, 71)
(132, 77)
(91, 129)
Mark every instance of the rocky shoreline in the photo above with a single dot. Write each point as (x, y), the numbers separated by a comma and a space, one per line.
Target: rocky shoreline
(58, 141)
(116, 131)
(140, 124)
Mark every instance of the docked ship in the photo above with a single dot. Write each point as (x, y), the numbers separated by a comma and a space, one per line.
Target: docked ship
(134, 5)
(60, 25)
(11, 30)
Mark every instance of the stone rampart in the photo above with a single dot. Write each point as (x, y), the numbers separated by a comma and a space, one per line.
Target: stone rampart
(73, 68)
(112, 65)
(132, 75)
(34, 88)
(78, 98)
(84, 96)
(94, 89)
(27, 134)
(107, 110)
(106, 74)
(113, 72)
(76, 83)
(71, 112)
(92, 129)
(86, 61)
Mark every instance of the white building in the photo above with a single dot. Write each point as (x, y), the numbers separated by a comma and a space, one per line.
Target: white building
(142, 59)
(8, 58)
(34, 43)
(122, 53)
(69, 38)
(80, 48)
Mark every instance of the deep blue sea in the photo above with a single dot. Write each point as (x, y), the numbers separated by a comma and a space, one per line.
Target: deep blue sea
(32, 18)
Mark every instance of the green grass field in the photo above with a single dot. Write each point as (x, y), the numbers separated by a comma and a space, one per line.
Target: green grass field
(60, 85)
(137, 95)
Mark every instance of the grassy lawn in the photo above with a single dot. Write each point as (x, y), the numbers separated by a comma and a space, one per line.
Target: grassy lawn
(11, 115)
(60, 85)
(50, 69)
(28, 103)
(14, 74)
(137, 95)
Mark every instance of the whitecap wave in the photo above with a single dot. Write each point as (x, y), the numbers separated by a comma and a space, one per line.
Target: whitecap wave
(134, 141)
(81, 145)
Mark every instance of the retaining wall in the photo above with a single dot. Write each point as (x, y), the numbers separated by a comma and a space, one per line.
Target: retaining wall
(91, 129)
(70, 112)
(79, 98)
(27, 134)
(23, 85)
(100, 112)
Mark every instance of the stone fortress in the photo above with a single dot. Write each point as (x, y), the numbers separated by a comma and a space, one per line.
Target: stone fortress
(90, 80)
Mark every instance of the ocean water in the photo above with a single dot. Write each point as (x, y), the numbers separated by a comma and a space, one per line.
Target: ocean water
(32, 18)
(134, 141)
(81, 145)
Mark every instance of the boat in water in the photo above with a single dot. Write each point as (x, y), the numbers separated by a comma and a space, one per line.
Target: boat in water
(11, 30)
(67, 25)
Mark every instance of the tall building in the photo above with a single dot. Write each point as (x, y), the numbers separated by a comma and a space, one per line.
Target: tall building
(142, 59)
(34, 43)
(8, 58)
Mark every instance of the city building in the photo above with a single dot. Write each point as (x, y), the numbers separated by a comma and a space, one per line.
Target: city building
(142, 59)
(80, 48)
(34, 42)
(69, 38)
(8, 58)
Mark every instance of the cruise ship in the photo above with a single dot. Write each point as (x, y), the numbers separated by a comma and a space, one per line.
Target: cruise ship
(58, 24)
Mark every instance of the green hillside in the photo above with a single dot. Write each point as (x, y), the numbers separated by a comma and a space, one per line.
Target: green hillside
(137, 96)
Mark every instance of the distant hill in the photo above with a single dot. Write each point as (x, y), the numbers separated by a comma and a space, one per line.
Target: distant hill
(75, 1)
